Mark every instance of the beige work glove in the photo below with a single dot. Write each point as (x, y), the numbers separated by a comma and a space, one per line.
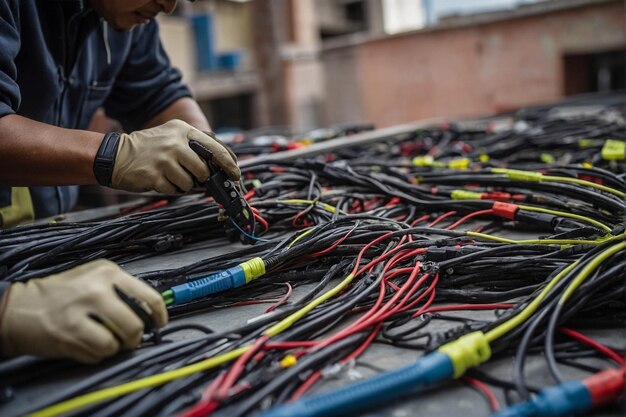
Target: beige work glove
(160, 159)
(77, 314)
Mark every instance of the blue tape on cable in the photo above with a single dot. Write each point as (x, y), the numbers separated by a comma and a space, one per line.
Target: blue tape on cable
(381, 389)
(225, 280)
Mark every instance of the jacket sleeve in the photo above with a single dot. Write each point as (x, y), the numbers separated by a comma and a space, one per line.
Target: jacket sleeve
(147, 83)
(9, 48)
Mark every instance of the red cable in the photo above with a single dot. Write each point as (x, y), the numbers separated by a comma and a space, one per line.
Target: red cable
(379, 315)
(317, 374)
(430, 290)
(467, 217)
(334, 245)
(233, 373)
(605, 350)
(421, 219)
(440, 218)
(282, 301)
(294, 221)
(201, 409)
(207, 404)
(289, 345)
(158, 204)
(249, 195)
(381, 295)
(480, 386)
(262, 221)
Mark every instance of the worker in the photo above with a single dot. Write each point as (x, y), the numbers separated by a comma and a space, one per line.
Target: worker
(60, 61)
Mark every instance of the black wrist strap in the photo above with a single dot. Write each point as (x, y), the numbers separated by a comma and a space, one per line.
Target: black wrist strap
(105, 158)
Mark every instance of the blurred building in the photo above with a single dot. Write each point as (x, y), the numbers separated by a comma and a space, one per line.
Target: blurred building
(306, 63)
(477, 64)
(212, 42)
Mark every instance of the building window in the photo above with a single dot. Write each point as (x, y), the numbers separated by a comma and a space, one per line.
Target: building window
(601, 71)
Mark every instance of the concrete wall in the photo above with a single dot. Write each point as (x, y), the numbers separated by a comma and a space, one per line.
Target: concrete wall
(464, 70)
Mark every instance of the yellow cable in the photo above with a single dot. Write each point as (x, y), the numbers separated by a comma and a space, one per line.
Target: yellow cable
(123, 389)
(159, 379)
(490, 237)
(532, 176)
(288, 321)
(520, 318)
(305, 233)
(586, 183)
(566, 214)
(589, 268)
(537, 241)
(325, 206)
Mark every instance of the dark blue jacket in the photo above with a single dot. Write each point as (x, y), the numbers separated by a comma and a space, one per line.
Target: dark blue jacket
(60, 61)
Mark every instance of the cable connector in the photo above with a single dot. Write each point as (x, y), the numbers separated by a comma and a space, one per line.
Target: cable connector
(543, 220)
(465, 195)
(614, 150)
(423, 161)
(467, 352)
(288, 361)
(606, 386)
(505, 210)
(460, 164)
(518, 175)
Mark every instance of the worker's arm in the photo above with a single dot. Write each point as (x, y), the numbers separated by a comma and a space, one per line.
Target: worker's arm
(77, 314)
(158, 158)
(185, 109)
(34, 153)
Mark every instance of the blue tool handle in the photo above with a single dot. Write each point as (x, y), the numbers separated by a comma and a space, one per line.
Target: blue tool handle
(221, 281)
(381, 389)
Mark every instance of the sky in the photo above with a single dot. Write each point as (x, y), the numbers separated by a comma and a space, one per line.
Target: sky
(446, 7)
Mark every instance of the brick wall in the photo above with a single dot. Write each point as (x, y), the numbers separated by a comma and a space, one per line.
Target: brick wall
(465, 69)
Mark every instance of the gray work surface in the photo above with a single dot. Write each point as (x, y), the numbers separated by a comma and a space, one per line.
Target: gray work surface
(453, 399)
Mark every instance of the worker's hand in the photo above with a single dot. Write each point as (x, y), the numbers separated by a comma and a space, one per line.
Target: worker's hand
(160, 159)
(77, 314)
